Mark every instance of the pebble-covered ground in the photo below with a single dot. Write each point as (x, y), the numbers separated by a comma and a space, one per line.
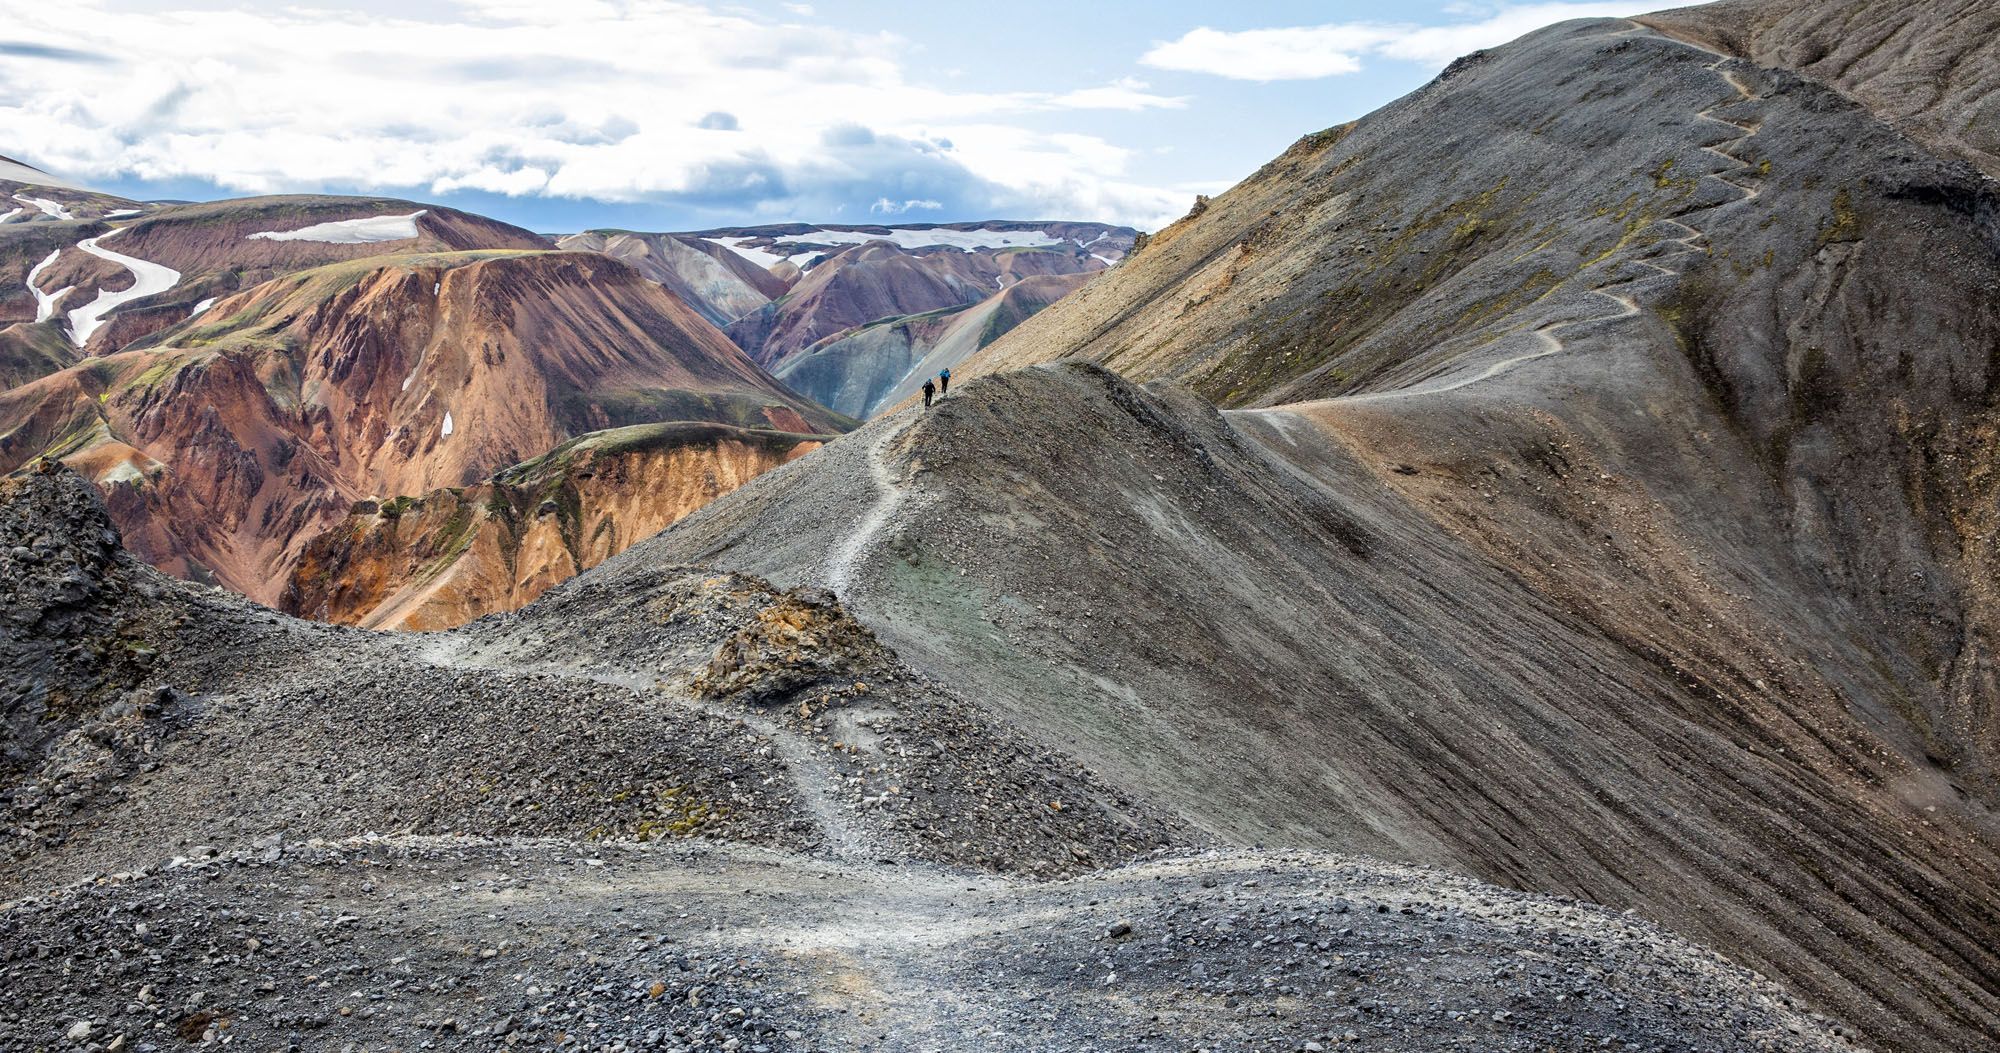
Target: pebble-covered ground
(416, 943)
(684, 811)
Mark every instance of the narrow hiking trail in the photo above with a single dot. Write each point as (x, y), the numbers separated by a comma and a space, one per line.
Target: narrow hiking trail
(846, 560)
(815, 783)
(1693, 241)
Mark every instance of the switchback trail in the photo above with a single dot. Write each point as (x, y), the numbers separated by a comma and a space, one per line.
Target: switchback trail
(1690, 242)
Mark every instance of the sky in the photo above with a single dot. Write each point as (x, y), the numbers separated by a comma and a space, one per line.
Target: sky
(684, 115)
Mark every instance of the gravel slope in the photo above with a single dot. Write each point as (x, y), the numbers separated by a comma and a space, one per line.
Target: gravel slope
(683, 811)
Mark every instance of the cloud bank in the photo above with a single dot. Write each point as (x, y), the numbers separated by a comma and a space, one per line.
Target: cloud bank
(1310, 52)
(622, 101)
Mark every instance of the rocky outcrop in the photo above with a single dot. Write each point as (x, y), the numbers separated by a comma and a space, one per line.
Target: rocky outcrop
(456, 554)
(237, 437)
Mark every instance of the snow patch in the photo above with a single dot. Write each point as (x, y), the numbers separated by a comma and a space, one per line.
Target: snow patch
(1108, 261)
(766, 260)
(121, 213)
(364, 231)
(202, 306)
(447, 422)
(966, 240)
(45, 303)
(919, 238)
(11, 215)
(53, 208)
(148, 279)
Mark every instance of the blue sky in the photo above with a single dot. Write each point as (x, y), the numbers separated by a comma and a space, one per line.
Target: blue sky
(675, 114)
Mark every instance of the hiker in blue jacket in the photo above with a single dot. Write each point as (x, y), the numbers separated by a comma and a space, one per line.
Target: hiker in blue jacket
(944, 382)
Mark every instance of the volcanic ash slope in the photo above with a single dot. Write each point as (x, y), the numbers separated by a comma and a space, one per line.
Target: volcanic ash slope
(683, 811)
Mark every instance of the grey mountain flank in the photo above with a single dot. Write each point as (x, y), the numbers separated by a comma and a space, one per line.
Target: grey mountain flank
(1514, 573)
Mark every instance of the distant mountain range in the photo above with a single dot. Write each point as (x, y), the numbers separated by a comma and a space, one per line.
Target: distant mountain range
(242, 377)
(855, 316)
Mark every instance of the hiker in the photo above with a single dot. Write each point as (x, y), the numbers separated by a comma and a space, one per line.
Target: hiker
(944, 383)
(929, 390)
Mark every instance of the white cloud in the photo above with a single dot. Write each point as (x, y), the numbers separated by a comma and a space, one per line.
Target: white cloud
(890, 208)
(1307, 52)
(522, 97)
(1437, 45)
(1122, 94)
(1268, 54)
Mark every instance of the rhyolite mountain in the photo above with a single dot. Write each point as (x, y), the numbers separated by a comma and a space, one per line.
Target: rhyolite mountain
(147, 267)
(721, 284)
(856, 317)
(1606, 512)
(861, 370)
(883, 278)
(228, 441)
(454, 554)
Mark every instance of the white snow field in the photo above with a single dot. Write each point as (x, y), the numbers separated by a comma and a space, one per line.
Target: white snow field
(45, 303)
(202, 306)
(447, 422)
(365, 231)
(147, 280)
(920, 238)
(766, 260)
(9, 216)
(121, 213)
(967, 240)
(53, 208)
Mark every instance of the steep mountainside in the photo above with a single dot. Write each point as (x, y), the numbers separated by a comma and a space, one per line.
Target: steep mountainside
(190, 780)
(456, 554)
(101, 278)
(232, 439)
(722, 285)
(864, 369)
(1930, 69)
(1610, 516)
